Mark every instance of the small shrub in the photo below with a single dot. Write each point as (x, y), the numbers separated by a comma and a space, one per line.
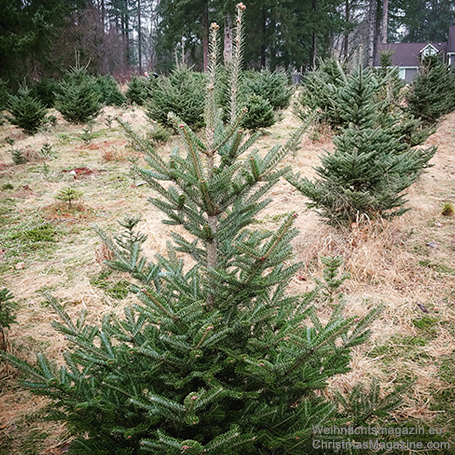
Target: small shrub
(182, 93)
(77, 98)
(108, 121)
(18, 156)
(87, 134)
(447, 209)
(69, 195)
(47, 151)
(137, 90)
(260, 113)
(26, 111)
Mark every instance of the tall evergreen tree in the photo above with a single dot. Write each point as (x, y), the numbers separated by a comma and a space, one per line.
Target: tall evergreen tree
(26, 33)
(213, 358)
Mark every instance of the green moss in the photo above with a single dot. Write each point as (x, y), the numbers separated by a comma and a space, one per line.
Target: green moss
(117, 289)
(399, 346)
(41, 233)
(440, 268)
(427, 324)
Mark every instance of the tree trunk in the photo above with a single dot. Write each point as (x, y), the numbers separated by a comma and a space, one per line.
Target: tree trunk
(103, 14)
(377, 31)
(385, 20)
(227, 53)
(346, 33)
(139, 35)
(314, 37)
(264, 39)
(125, 32)
(371, 31)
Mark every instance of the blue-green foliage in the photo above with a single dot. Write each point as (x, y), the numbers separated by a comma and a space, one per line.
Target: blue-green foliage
(375, 159)
(137, 90)
(182, 93)
(77, 97)
(108, 91)
(214, 357)
(27, 112)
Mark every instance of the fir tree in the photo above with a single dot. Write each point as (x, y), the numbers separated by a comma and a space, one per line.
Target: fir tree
(182, 93)
(109, 92)
(214, 358)
(272, 86)
(319, 92)
(77, 98)
(259, 113)
(44, 90)
(137, 90)
(372, 165)
(432, 93)
(26, 111)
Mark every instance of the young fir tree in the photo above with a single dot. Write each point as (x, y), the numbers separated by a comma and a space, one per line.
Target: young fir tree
(26, 111)
(214, 358)
(77, 98)
(259, 113)
(432, 93)
(182, 93)
(137, 90)
(373, 163)
(319, 92)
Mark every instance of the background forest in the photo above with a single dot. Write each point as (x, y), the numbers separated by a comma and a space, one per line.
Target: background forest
(38, 38)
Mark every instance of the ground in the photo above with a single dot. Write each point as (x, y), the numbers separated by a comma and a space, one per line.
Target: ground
(46, 246)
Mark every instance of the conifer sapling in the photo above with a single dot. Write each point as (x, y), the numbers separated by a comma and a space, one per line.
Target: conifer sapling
(214, 357)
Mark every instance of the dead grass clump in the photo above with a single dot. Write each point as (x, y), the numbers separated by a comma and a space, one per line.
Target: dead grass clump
(113, 154)
(103, 254)
(321, 133)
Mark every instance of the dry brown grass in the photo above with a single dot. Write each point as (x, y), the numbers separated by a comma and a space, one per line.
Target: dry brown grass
(389, 262)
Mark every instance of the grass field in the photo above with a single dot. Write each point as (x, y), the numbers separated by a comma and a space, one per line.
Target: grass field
(46, 245)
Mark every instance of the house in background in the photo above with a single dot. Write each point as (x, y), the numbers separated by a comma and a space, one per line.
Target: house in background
(407, 56)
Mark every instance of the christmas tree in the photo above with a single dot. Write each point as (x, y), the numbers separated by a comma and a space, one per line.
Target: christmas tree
(374, 161)
(26, 111)
(77, 97)
(216, 357)
(432, 93)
